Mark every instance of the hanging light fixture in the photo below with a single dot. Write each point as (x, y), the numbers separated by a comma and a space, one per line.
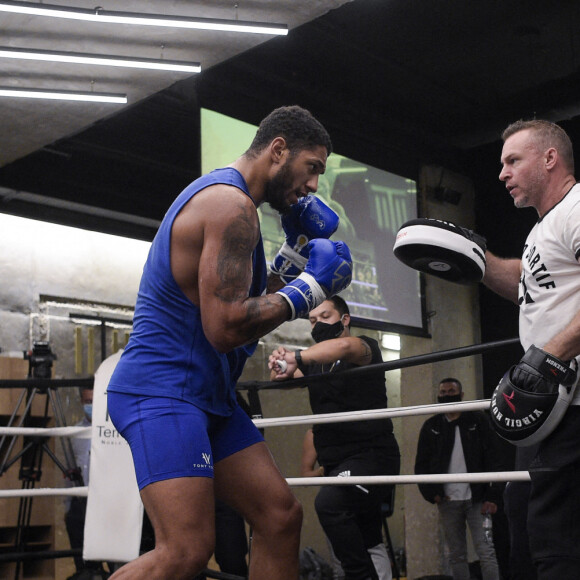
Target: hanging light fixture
(109, 16)
(122, 61)
(87, 96)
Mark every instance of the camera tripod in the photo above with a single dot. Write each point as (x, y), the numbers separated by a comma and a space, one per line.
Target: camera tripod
(35, 447)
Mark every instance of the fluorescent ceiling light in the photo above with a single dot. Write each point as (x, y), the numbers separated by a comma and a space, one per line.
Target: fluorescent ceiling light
(77, 57)
(63, 95)
(100, 15)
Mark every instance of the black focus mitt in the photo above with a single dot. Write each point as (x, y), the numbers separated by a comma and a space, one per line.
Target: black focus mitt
(532, 397)
(442, 249)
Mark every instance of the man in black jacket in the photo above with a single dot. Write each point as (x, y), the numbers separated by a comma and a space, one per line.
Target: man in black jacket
(457, 442)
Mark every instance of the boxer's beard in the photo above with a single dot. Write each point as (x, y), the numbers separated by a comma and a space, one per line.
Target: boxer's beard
(278, 188)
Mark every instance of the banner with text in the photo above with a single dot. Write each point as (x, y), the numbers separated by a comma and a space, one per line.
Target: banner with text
(114, 509)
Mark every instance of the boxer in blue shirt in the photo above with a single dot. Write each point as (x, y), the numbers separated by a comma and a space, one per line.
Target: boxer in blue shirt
(204, 301)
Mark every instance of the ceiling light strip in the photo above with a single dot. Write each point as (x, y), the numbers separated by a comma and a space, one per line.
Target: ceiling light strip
(101, 60)
(63, 95)
(109, 16)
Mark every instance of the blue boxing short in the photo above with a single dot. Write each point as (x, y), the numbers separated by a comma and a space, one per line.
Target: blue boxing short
(170, 438)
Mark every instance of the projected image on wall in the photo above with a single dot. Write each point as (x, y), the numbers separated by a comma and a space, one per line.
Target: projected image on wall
(372, 205)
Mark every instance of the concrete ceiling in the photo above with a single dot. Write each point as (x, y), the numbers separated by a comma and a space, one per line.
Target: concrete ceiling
(29, 124)
(398, 84)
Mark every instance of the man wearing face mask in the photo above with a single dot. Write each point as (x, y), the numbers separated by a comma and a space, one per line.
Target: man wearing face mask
(460, 442)
(349, 515)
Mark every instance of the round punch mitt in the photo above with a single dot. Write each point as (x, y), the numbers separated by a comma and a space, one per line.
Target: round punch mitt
(532, 397)
(523, 417)
(441, 249)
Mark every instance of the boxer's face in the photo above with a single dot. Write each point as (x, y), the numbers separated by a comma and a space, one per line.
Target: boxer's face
(297, 176)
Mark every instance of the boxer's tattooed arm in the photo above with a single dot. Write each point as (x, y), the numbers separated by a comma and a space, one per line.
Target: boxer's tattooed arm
(234, 259)
(256, 322)
(260, 314)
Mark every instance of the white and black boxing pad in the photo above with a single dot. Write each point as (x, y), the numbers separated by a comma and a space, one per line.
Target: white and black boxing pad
(442, 249)
(532, 397)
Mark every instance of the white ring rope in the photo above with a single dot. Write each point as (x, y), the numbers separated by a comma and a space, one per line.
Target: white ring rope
(484, 477)
(82, 432)
(85, 432)
(373, 414)
(370, 414)
(45, 491)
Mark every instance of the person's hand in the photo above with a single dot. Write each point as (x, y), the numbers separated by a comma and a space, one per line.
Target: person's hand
(282, 363)
(488, 507)
(540, 372)
(306, 220)
(532, 397)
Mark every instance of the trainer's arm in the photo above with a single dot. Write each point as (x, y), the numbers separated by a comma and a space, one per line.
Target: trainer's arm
(213, 239)
(502, 275)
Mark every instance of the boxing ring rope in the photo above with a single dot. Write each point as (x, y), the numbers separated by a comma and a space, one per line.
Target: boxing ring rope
(42, 384)
(483, 477)
(85, 432)
(309, 420)
(353, 416)
(81, 491)
(401, 363)
(82, 432)
(253, 387)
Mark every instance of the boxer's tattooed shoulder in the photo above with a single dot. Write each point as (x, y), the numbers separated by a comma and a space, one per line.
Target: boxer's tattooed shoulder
(234, 258)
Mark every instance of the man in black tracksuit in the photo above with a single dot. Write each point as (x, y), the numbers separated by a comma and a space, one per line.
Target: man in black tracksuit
(458, 442)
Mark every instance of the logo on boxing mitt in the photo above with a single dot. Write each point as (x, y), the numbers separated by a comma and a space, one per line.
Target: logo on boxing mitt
(442, 249)
(532, 397)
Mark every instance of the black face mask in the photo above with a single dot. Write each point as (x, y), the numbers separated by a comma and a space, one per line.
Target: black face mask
(449, 398)
(323, 331)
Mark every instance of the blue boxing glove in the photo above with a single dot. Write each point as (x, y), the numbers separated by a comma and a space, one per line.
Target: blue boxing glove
(306, 220)
(327, 272)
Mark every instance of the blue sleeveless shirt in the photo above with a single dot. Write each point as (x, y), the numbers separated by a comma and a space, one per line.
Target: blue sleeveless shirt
(168, 353)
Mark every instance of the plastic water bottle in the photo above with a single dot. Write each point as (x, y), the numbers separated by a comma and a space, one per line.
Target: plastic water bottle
(488, 528)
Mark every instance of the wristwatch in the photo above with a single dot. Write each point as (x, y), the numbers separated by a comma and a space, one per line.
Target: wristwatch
(298, 357)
